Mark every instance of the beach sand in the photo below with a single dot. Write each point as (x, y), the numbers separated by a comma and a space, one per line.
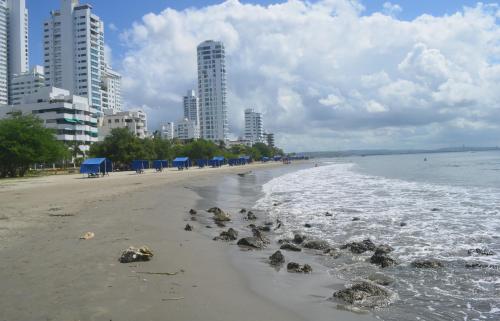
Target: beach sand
(48, 273)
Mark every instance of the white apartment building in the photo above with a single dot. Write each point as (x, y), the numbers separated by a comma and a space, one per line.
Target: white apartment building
(74, 51)
(134, 120)
(24, 84)
(254, 131)
(269, 139)
(14, 57)
(186, 129)
(111, 91)
(212, 90)
(191, 107)
(167, 130)
(70, 116)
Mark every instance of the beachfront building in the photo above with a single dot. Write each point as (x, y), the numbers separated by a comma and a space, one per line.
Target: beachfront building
(25, 84)
(238, 142)
(111, 90)
(167, 130)
(186, 129)
(134, 120)
(212, 90)
(191, 107)
(14, 57)
(269, 139)
(254, 131)
(74, 51)
(70, 116)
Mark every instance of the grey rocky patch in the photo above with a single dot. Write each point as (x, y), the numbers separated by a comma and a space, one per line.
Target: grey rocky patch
(268, 223)
(208, 226)
(257, 233)
(307, 225)
(219, 215)
(297, 268)
(229, 235)
(193, 218)
(435, 209)
(328, 214)
(192, 212)
(264, 228)
(427, 264)
(482, 252)
(251, 216)
(277, 259)
(251, 242)
(220, 224)
(298, 238)
(366, 294)
(382, 258)
(317, 245)
(188, 227)
(355, 219)
(333, 252)
(480, 265)
(290, 247)
(381, 279)
(242, 211)
(402, 224)
(133, 254)
(360, 247)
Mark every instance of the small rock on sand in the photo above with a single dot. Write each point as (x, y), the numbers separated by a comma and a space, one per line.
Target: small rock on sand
(317, 245)
(219, 215)
(87, 236)
(192, 212)
(133, 254)
(188, 228)
(297, 268)
(277, 259)
(366, 294)
(290, 247)
(229, 235)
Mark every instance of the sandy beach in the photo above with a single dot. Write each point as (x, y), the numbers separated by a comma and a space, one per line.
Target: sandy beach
(48, 273)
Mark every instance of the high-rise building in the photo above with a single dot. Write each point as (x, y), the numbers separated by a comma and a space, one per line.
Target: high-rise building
(111, 91)
(254, 131)
(191, 108)
(24, 84)
(74, 51)
(14, 57)
(186, 129)
(212, 90)
(167, 130)
(269, 139)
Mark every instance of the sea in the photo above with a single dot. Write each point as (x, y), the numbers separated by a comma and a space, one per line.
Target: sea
(436, 206)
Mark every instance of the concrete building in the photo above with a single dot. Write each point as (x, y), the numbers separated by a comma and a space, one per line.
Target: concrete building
(167, 130)
(186, 129)
(191, 107)
(239, 141)
(134, 120)
(14, 56)
(24, 84)
(111, 91)
(212, 90)
(254, 131)
(70, 116)
(74, 51)
(269, 139)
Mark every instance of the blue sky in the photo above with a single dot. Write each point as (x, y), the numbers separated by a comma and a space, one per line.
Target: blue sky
(122, 13)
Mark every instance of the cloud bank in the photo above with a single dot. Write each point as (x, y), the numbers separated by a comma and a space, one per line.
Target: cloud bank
(325, 75)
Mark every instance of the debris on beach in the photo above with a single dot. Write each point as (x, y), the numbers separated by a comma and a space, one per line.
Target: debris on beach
(192, 212)
(290, 247)
(360, 247)
(297, 268)
(366, 294)
(229, 235)
(133, 254)
(277, 259)
(242, 211)
(244, 174)
(251, 216)
(382, 258)
(317, 245)
(483, 251)
(87, 236)
(427, 264)
(188, 228)
(219, 215)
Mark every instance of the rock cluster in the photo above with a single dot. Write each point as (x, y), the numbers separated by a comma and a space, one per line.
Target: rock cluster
(290, 247)
(133, 254)
(360, 247)
(277, 259)
(229, 235)
(297, 268)
(188, 228)
(365, 293)
(317, 245)
(483, 251)
(427, 264)
(219, 215)
(382, 258)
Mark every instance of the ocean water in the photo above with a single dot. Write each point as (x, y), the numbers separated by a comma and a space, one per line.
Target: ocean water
(450, 204)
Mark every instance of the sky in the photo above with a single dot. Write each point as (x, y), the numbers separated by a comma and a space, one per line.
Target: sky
(326, 74)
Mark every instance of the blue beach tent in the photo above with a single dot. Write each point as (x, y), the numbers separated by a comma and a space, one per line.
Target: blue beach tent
(181, 162)
(160, 164)
(139, 165)
(95, 167)
(201, 162)
(245, 160)
(234, 162)
(265, 159)
(217, 161)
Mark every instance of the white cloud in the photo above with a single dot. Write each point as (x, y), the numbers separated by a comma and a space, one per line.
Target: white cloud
(113, 27)
(407, 80)
(391, 9)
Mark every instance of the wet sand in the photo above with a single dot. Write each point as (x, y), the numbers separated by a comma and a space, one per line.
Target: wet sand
(48, 273)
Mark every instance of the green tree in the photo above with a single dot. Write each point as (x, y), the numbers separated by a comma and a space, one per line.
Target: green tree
(25, 141)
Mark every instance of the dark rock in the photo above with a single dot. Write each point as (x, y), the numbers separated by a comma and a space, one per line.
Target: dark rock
(256, 233)
(192, 212)
(208, 226)
(354, 219)
(268, 223)
(188, 228)
(277, 259)
(333, 252)
(229, 235)
(383, 249)
(479, 265)
(290, 247)
(220, 224)
(435, 210)
(251, 216)
(136, 255)
(252, 226)
(383, 259)
(219, 215)
(307, 225)
(328, 214)
(483, 252)
(365, 293)
(298, 238)
(402, 224)
(243, 211)
(252, 242)
(317, 245)
(427, 264)
(264, 228)
(297, 268)
(360, 247)
(193, 218)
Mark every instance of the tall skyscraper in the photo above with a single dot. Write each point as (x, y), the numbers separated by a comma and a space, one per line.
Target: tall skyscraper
(74, 51)
(254, 131)
(212, 90)
(191, 108)
(14, 57)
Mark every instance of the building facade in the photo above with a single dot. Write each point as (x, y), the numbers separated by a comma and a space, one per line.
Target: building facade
(111, 91)
(134, 120)
(212, 90)
(70, 116)
(74, 51)
(167, 130)
(25, 84)
(191, 107)
(14, 56)
(254, 131)
(269, 139)
(186, 129)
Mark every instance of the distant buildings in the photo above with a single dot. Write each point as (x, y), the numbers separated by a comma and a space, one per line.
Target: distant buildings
(186, 129)
(134, 121)
(25, 84)
(269, 139)
(111, 91)
(167, 130)
(70, 116)
(254, 131)
(191, 107)
(14, 55)
(212, 90)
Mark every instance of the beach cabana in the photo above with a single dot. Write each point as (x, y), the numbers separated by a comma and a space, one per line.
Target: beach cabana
(245, 160)
(139, 165)
(201, 162)
(265, 159)
(217, 161)
(159, 165)
(181, 163)
(95, 167)
(277, 158)
(235, 162)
